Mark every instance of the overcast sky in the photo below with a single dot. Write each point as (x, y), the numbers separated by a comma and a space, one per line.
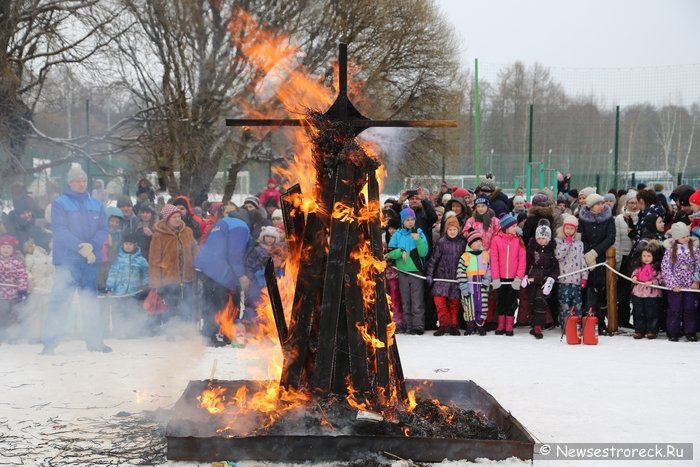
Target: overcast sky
(588, 34)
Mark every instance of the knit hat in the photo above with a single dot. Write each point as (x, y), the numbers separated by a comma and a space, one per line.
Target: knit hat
(111, 211)
(214, 207)
(589, 190)
(593, 199)
(518, 199)
(695, 198)
(440, 209)
(460, 193)
(147, 207)
(271, 180)
(407, 213)
(540, 199)
(276, 214)
(124, 201)
(573, 193)
(472, 236)
(506, 221)
(481, 200)
(609, 197)
(679, 230)
(487, 185)
(451, 222)
(75, 173)
(269, 231)
(168, 211)
(252, 200)
(543, 230)
(181, 201)
(570, 220)
(446, 197)
(128, 238)
(8, 240)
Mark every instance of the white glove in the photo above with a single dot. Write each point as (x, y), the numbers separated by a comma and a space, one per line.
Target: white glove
(590, 258)
(495, 284)
(516, 284)
(91, 258)
(85, 249)
(548, 285)
(524, 282)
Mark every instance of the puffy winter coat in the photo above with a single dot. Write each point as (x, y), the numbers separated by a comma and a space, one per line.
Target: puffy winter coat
(443, 265)
(128, 274)
(508, 258)
(486, 234)
(680, 273)
(570, 257)
(223, 254)
(541, 262)
(12, 272)
(597, 233)
(40, 269)
(171, 255)
(77, 218)
(425, 219)
(417, 250)
(499, 202)
(623, 243)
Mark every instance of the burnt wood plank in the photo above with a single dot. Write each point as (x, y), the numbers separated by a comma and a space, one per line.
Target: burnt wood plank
(276, 304)
(306, 297)
(333, 283)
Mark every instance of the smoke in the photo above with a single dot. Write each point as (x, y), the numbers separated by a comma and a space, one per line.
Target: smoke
(392, 141)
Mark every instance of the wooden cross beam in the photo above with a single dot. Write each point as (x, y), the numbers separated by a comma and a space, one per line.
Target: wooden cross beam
(344, 111)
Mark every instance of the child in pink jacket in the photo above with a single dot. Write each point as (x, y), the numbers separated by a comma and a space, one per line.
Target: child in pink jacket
(508, 258)
(483, 221)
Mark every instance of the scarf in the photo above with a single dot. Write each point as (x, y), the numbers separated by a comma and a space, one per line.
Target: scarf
(485, 219)
(646, 273)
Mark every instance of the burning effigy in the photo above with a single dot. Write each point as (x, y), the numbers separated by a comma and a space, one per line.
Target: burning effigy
(341, 391)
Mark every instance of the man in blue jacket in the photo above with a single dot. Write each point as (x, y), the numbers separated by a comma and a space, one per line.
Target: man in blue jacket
(221, 261)
(80, 230)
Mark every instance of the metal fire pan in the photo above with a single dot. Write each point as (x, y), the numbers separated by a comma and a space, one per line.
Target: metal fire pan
(192, 433)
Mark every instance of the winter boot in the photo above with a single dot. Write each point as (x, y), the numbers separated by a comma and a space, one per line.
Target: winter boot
(537, 331)
(453, 331)
(470, 328)
(509, 325)
(441, 331)
(501, 329)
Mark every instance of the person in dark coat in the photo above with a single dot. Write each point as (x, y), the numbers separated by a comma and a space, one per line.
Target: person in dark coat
(459, 207)
(597, 228)
(542, 208)
(22, 225)
(648, 203)
(499, 202)
(443, 265)
(542, 273)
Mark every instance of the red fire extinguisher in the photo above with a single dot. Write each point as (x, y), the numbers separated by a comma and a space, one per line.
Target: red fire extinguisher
(571, 328)
(590, 328)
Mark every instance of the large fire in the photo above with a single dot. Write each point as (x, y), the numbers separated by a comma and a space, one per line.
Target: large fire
(282, 89)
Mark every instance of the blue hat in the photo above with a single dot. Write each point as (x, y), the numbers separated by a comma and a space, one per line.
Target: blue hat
(481, 200)
(111, 211)
(506, 221)
(407, 213)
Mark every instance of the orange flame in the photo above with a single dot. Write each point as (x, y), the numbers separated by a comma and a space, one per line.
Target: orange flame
(369, 338)
(412, 400)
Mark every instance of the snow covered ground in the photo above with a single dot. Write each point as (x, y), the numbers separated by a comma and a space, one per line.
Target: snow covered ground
(84, 408)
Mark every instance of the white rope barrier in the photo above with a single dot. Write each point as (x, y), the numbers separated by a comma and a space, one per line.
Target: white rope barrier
(588, 268)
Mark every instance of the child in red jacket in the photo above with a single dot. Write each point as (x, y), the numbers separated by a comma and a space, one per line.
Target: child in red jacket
(507, 264)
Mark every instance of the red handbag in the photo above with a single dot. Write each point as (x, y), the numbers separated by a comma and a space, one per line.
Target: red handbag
(154, 303)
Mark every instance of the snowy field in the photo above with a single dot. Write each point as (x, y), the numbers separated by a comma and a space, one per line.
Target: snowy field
(84, 408)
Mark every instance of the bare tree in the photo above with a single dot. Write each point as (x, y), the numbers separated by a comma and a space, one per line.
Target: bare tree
(36, 37)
